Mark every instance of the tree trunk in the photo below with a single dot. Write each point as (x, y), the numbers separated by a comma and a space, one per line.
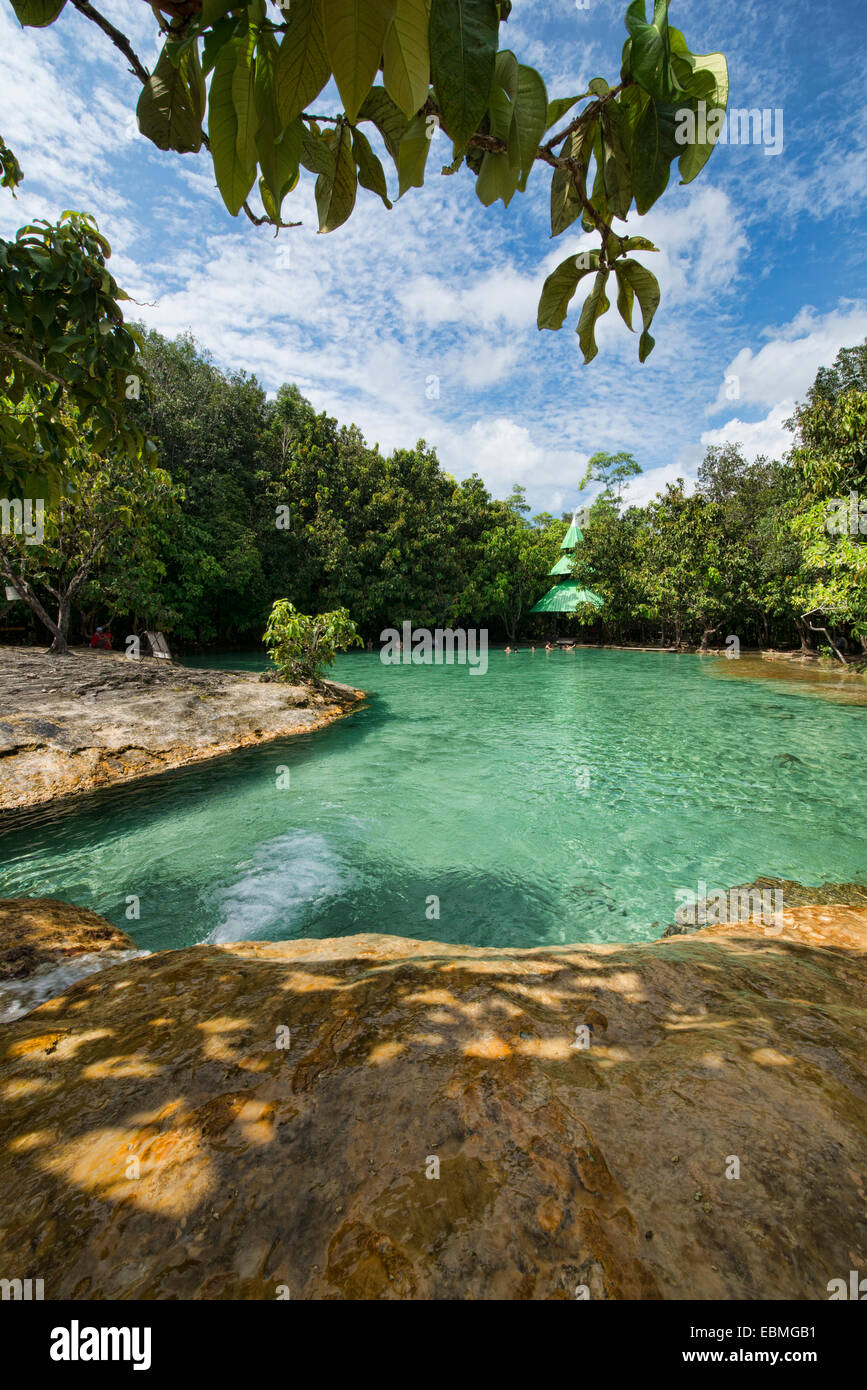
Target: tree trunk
(61, 628)
(29, 597)
(708, 632)
(803, 634)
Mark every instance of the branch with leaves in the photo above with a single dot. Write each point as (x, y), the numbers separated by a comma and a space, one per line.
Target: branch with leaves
(68, 361)
(255, 70)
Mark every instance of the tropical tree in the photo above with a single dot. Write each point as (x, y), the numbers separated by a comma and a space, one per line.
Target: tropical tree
(519, 558)
(105, 511)
(682, 578)
(68, 362)
(251, 72)
(613, 471)
(829, 458)
(302, 647)
(610, 561)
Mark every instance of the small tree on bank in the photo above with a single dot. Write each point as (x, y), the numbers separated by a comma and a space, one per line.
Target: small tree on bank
(301, 646)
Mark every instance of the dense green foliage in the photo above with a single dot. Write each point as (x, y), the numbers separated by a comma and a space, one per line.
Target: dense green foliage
(97, 543)
(251, 71)
(758, 546)
(68, 362)
(830, 459)
(302, 646)
(265, 499)
(282, 501)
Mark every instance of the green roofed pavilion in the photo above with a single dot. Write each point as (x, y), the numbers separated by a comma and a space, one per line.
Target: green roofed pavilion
(567, 596)
(563, 566)
(573, 536)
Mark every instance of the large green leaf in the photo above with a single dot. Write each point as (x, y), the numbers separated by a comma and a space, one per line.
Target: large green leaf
(317, 152)
(37, 13)
(530, 119)
(278, 150)
(500, 105)
(371, 174)
(635, 278)
(281, 166)
(213, 41)
(463, 46)
(406, 56)
(565, 203)
(269, 126)
(650, 52)
(616, 171)
(558, 108)
(560, 286)
(595, 305)
(388, 118)
(506, 72)
(412, 155)
(336, 190)
(355, 33)
(651, 133)
(598, 193)
(497, 179)
(244, 101)
(705, 77)
(172, 103)
(234, 176)
(302, 67)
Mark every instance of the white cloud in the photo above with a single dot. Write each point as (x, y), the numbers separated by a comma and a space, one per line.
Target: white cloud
(767, 436)
(787, 364)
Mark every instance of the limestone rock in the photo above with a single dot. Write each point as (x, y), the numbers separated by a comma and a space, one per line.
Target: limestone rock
(77, 722)
(46, 945)
(230, 1122)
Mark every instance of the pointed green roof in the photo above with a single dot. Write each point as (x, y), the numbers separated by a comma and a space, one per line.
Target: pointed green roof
(563, 566)
(565, 598)
(572, 537)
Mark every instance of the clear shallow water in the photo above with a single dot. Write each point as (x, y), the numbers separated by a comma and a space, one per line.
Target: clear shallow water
(471, 788)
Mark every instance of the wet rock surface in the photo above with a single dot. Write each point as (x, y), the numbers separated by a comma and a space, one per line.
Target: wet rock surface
(35, 932)
(82, 721)
(233, 1122)
(46, 945)
(760, 899)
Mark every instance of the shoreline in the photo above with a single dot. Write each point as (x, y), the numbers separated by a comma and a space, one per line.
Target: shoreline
(80, 723)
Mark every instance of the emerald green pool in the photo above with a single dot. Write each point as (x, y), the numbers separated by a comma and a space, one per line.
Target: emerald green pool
(558, 798)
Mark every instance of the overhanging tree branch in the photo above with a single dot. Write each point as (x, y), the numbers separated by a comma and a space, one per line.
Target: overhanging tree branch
(137, 67)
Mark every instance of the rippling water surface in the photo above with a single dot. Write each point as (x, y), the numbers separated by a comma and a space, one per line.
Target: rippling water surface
(558, 798)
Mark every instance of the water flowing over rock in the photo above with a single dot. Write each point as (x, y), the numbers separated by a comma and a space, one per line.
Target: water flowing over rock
(46, 945)
(374, 1117)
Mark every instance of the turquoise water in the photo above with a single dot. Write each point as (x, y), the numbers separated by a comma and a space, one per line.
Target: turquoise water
(558, 798)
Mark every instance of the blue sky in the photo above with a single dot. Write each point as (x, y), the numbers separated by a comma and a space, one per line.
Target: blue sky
(761, 266)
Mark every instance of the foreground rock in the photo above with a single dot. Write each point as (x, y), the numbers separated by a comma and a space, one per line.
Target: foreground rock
(46, 945)
(167, 1137)
(74, 723)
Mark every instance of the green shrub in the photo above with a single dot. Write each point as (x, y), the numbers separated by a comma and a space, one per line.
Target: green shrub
(301, 646)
